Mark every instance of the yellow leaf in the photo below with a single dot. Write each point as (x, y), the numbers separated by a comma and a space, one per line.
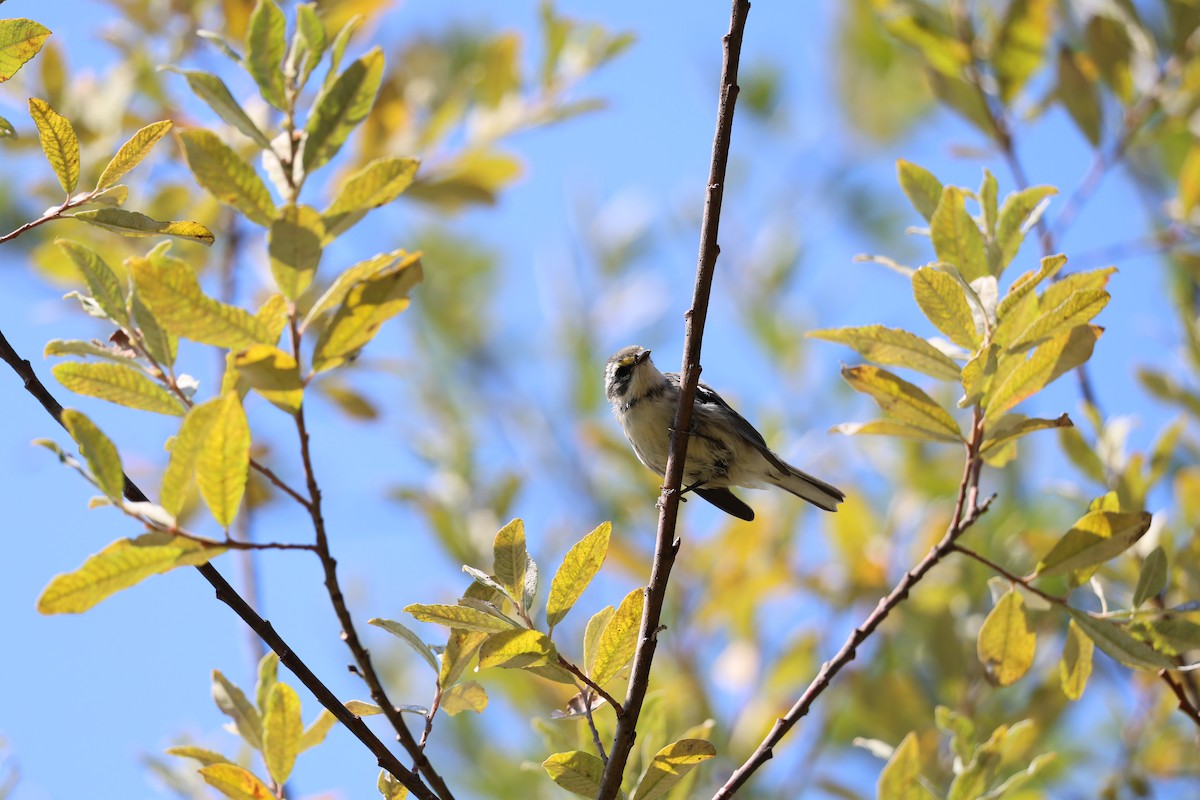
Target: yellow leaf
(900, 778)
(923, 190)
(1078, 309)
(213, 91)
(341, 107)
(266, 44)
(282, 730)
(388, 786)
(957, 240)
(903, 401)
(1021, 44)
(367, 306)
(59, 142)
(1076, 665)
(1095, 538)
(205, 757)
(576, 771)
(220, 170)
(361, 709)
(1011, 427)
(315, 733)
(268, 676)
(295, 244)
(1029, 281)
(1189, 181)
(99, 452)
(619, 640)
(132, 223)
(458, 617)
(579, 566)
(669, 765)
(894, 347)
(119, 384)
(942, 300)
(181, 468)
(107, 290)
(509, 558)
(1018, 377)
(273, 374)
(234, 704)
(341, 286)
(1006, 644)
(20, 40)
(461, 647)
(122, 564)
(468, 696)
(132, 153)
(170, 289)
(223, 461)
(591, 636)
(517, 649)
(376, 184)
(235, 782)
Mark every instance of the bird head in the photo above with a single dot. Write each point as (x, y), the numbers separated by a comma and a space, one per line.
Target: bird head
(629, 373)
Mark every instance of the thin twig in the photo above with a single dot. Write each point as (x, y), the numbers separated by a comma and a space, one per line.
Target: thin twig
(226, 594)
(362, 657)
(999, 570)
(666, 545)
(591, 723)
(1185, 703)
(591, 684)
(966, 512)
(50, 215)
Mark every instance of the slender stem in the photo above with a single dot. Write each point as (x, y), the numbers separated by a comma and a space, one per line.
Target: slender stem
(226, 594)
(591, 684)
(362, 657)
(591, 723)
(51, 214)
(999, 570)
(666, 544)
(966, 512)
(1185, 703)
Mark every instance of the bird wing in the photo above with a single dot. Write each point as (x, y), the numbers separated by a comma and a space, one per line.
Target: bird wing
(707, 396)
(727, 501)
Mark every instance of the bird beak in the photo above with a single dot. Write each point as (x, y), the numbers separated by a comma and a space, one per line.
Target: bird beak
(642, 356)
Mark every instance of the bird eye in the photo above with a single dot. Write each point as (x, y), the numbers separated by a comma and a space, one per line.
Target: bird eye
(623, 371)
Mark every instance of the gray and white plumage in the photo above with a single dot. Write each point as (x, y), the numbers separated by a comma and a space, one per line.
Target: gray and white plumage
(724, 449)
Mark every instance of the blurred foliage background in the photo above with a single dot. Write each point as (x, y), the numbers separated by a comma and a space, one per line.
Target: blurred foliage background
(550, 238)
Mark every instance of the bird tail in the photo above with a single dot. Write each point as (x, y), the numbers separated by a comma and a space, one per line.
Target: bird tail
(816, 491)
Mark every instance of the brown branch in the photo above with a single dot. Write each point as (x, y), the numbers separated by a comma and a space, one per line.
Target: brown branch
(51, 214)
(591, 684)
(999, 570)
(1185, 703)
(362, 657)
(966, 512)
(226, 594)
(591, 723)
(666, 545)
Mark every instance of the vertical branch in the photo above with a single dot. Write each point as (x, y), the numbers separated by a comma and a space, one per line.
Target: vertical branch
(666, 544)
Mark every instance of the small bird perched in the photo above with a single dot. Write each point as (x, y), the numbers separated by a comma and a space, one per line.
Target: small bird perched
(724, 449)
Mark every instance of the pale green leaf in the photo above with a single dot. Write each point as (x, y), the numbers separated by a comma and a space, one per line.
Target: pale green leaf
(1076, 665)
(669, 765)
(99, 452)
(1096, 537)
(136, 224)
(268, 676)
(1016, 214)
(59, 142)
(902, 400)
(273, 374)
(1006, 644)
(591, 636)
(118, 384)
(1013, 426)
(181, 468)
(295, 245)
(509, 557)
(234, 704)
(132, 153)
(579, 566)
(226, 176)
(890, 427)
(341, 107)
(160, 344)
(1077, 309)
(461, 648)
(1079, 92)
(376, 184)
(349, 278)
(223, 461)
(617, 643)
(282, 730)
(894, 347)
(1024, 377)
(1153, 577)
(106, 288)
(458, 617)
(1020, 44)
(1028, 281)
(236, 783)
(923, 190)
(311, 35)
(266, 44)
(78, 347)
(942, 300)
(1119, 644)
(517, 649)
(205, 757)
(957, 240)
(466, 696)
(367, 305)
(900, 778)
(408, 637)
(213, 91)
(20, 40)
(576, 771)
(122, 564)
(315, 733)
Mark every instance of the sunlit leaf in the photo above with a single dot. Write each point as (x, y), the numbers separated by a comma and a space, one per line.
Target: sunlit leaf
(670, 765)
(957, 240)
(466, 696)
(1047, 362)
(900, 778)
(136, 224)
(236, 783)
(923, 190)
(408, 637)
(1096, 537)
(579, 566)
(1011, 427)
(106, 288)
(132, 153)
(315, 733)
(1076, 664)
(1029, 281)
(942, 300)
(1020, 44)
(1189, 181)
(220, 170)
(1006, 644)
(1170, 635)
(376, 184)
(902, 400)
(266, 44)
(349, 278)
(59, 142)
(891, 427)
(341, 107)
(517, 649)
(509, 556)
(461, 648)
(213, 91)
(181, 468)
(1115, 641)
(311, 35)
(268, 676)
(122, 564)
(282, 730)
(273, 374)
(367, 305)
(20, 40)
(389, 787)
(893, 347)
(295, 245)
(118, 384)
(475, 177)
(617, 643)
(1079, 93)
(577, 772)
(223, 460)
(1079, 308)
(205, 757)
(100, 453)
(1153, 577)
(459, 617)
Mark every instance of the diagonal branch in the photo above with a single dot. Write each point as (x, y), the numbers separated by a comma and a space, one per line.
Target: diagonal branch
(226, 594)
(666, 544)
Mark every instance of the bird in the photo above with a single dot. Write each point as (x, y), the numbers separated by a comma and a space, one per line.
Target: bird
(724, 450)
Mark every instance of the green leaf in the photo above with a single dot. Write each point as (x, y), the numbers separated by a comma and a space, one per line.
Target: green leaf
(266, 44)
(1118, 644)
(1170, 635)
(1026, 283)
(964, 99)
(902, 400)
(468, 696)
(923, 190)
(161, 345)
(132, 153)
(226, 176)
(20, 40)
(213, 91)
(79, 347)
(900, 778)
(474, 177)
(517, 649)
(341, 286)
(957, 240)
(576, 771)
(272, 373)
(236, 783)
(458, 617)
(1076, 664)
(1020, 44)
(205, 757)
(509, 556)
(669, 765)
(59, 142)
(1006, 645)
(7, 131)
(315, 733)
(106, 288)
(234, 704)
(1013, 426)
(135, 224)
(591, 636)
(408, 637)
(1017, 213)
(122, 564)
(295, 245)
(170, 289)
(1096, 537)
(1026, 377)
(1153, 577)
(1079, 308)
(988, 192)
(282, 730)
(890, 427)
(579, 566)
(894, 347)
(461, 647)
(117, 384)
(368, 304)
(338, 48)
(341, 107)
(389, 787)
(617, 643)
(311, 33)
(223, 460)
(181, 468)
(268, 676)
(1081, 454)
(1189, 181)
(99, 452)
(1079, 93)
(376, 184)
(942, 300)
